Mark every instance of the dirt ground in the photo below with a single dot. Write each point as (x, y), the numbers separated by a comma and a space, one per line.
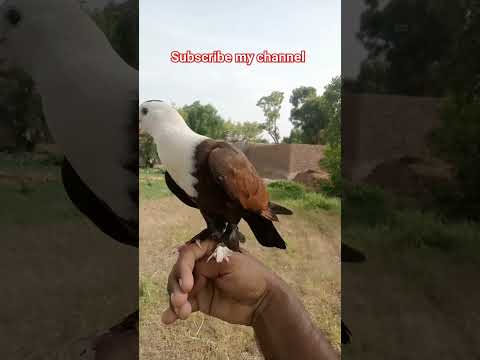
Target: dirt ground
(311, 265)
(403, 306)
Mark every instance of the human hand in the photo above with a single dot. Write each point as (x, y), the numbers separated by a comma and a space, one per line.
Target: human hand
(231, 291)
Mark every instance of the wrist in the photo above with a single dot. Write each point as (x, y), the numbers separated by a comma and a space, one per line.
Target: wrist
(275, 290)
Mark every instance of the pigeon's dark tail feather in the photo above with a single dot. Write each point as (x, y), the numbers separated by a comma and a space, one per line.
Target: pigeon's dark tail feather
(97, 210)
(350, 254)
(264, 231)
(279, 210)
(346, 334)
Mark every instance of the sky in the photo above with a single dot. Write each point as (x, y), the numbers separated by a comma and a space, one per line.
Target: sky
(237, 26)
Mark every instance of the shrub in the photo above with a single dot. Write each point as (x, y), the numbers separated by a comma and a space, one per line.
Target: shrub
(332, 162)
(366, 204)
(147, 151)
(286, 190)
(457, 141)
(294, 194)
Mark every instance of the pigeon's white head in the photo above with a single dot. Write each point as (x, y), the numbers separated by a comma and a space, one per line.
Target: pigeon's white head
(158, 117)
(33, 32)
(176, 142)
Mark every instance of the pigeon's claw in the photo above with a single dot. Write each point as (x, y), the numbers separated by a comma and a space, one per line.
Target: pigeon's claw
(220, 253)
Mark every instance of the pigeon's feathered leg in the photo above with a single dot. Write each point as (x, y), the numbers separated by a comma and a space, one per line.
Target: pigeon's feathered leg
(214, 230)
(230, 242)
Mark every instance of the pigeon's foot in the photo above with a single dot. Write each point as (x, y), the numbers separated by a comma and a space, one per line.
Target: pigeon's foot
(220, 253)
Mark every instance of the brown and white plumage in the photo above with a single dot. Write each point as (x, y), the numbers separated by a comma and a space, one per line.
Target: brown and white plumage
(213, 176)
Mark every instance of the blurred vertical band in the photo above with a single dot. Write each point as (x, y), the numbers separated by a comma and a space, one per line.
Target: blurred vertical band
(410, 161)
(69, 179)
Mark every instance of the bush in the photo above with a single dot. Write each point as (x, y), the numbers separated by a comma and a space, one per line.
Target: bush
(317, 201)
(286, 190)
(367, 205)
(332, 162)
(147, 151)
(294, 194)
(457, 141)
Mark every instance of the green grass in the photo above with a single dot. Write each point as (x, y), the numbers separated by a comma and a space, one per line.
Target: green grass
(291, 194)
(152, 184)
(20, 162)
(148, 291)
(33, 204)
(373, 218)
(25, 202)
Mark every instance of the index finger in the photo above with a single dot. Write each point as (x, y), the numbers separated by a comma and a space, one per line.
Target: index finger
(187, 258)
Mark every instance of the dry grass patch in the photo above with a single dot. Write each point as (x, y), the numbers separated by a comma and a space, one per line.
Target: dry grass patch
(311, 265)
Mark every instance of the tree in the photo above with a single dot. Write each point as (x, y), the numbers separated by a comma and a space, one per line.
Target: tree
(148, 155)
(332, 104)
(204, 120)
(409, 45)
(316, 119)
(271, 106)
(295, 137)
(431, 48)
(119, 22)
(25, 117)
(244, 132)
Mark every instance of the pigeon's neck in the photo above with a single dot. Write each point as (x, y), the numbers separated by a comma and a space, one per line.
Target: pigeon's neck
(176, 147)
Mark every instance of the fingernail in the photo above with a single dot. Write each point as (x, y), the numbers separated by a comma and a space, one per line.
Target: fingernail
(171, 298)
(180, 283)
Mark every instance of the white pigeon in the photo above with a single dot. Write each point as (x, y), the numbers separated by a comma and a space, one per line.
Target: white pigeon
(89, 95)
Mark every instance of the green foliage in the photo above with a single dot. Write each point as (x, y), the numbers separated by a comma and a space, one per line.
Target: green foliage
(204, 120)
(286, 190)
(415, 230)
(318, 201)
(243, 132)
(296, 137)
(332, 103)
(420, 48)
(332, 162)
(147, 151)
(26, 116)
(292, 194)
(458, 142)
(366, 205)
(119, 22)
(271, 106)
(316, 119)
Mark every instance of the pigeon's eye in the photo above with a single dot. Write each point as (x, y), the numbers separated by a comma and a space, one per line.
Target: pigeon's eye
(144, 111)
(13, 16)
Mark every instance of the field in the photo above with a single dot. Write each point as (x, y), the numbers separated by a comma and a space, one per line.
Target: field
(401, 300)
(311, 265)
(51, 253)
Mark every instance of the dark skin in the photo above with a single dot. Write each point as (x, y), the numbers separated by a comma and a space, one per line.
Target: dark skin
(244, 291)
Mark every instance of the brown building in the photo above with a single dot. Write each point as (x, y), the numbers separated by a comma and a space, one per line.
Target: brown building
(283, 161)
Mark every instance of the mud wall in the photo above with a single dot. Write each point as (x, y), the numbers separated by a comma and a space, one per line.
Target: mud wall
(379, 128)
(282, 161)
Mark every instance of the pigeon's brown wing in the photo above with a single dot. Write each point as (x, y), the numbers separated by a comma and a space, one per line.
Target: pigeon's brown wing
(234, 172)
